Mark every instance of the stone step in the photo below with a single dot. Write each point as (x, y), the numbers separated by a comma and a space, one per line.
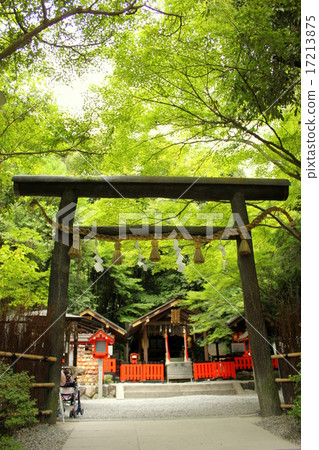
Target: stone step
(158, 390)
(177, 386)
(163, 394)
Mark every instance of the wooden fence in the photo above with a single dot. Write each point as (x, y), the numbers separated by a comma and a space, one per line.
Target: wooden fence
(223, 369)
(142, 372)
(21, 330)
(36, 385)
(288, 365)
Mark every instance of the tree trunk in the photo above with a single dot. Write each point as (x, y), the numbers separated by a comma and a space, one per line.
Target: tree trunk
(206, 356)
(264, 373)
(58, 299)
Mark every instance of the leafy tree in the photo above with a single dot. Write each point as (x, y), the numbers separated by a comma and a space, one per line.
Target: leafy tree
(76, 31)
(31, 126)
(23, 255)
(213, 82)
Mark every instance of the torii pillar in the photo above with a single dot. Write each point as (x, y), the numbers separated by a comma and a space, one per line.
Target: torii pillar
(260, 348)
(58, 298)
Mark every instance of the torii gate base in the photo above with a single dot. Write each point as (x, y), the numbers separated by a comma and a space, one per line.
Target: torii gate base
(237, 191)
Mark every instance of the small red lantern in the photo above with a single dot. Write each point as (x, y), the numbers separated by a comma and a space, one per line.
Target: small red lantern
(101, 341)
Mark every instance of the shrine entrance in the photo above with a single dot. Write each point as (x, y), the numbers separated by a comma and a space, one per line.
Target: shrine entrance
(176, 347)
(234, 190)
(156, 350)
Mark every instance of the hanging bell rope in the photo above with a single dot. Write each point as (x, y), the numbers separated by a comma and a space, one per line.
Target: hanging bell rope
(155, 256)
(117, 258)
(198, 255)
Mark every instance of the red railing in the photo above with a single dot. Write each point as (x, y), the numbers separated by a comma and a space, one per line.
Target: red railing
(109, 365)
(246, 363)
(243, 363)
(212, 370)
(223, 369)
(142, 372)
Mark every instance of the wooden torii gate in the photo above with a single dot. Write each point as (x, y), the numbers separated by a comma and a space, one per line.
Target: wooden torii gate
(235, 190)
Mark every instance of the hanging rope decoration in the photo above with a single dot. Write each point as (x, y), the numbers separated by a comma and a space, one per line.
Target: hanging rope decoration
(117, 259)
(222, 249)
(140, 262)
(180, 257)
(244, 248)
(155, 256)
(226, 233)
(98, 266)
(198, 255)
(75, 249)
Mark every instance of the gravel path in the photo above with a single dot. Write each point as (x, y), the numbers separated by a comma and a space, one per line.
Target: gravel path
(52, 438)
(170, 408)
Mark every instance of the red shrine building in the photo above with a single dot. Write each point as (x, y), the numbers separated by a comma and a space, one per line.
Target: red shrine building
(161, 345)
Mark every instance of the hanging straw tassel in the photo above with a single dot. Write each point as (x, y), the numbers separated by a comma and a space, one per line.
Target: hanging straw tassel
(244, 248)
(75, 249)
(198, 255)
(155, 256)
(117, 258)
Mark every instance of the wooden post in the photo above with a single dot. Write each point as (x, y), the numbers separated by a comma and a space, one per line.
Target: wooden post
(58, 299)
(75, 345)
(100, 385)
(67, 345)
(206, 356)
(193, 347)
(145, 344)
(264, 373)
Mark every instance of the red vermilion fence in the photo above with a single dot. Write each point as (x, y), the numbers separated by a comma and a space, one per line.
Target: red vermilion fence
(243, 363)
(213, 370)
(246, 363)
(109, 365)
(223, 369)
(142, 372)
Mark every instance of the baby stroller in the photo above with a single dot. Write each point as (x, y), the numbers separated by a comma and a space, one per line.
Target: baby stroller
(70, 392)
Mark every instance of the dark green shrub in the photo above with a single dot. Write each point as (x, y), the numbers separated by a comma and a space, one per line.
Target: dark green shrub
(296, 410)
(16, 408)
(7, 442)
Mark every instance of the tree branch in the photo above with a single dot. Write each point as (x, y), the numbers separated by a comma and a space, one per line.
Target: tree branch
(44, 11)
(27, 37)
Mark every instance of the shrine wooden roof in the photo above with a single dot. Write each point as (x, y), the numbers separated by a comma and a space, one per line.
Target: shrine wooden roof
(91, 321)
(156, 315)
